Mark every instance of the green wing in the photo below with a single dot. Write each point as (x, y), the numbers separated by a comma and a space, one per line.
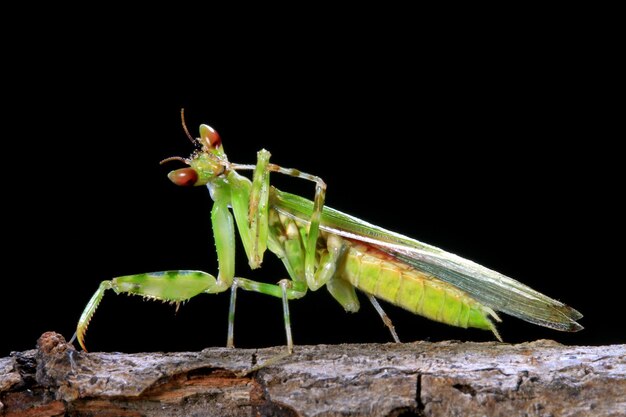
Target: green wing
(483, 284)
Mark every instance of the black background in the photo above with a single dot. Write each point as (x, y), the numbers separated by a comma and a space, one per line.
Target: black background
(499, 152)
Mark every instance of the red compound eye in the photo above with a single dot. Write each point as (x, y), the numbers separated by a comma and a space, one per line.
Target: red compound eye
(185, 177)
(210, 136)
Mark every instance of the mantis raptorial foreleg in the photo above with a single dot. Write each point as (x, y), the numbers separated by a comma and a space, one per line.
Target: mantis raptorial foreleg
(258, 209)
(169, 286)
(258, 213)
(314, 221)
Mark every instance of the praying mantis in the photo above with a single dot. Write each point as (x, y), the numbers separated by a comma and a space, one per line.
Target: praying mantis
(320, 246)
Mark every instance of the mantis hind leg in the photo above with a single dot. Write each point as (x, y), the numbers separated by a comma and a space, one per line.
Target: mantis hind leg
(385, 317)
(344, 292)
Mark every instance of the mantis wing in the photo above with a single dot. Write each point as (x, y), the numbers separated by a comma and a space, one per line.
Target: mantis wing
(488, 287)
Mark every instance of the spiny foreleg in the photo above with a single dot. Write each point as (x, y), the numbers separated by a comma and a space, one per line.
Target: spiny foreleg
(258, 213)
(168, 286)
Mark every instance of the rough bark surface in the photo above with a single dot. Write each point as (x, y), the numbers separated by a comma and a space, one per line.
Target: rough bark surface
(541, 378)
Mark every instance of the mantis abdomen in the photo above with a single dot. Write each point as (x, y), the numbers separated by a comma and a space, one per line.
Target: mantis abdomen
(376, 273)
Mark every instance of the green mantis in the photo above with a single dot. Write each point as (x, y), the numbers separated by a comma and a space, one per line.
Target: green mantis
(320, 246)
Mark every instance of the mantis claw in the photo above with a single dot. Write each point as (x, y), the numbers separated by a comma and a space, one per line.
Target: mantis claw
(168, 286)
(85, 318)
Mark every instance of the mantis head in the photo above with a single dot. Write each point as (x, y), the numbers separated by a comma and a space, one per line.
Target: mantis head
(205, 164)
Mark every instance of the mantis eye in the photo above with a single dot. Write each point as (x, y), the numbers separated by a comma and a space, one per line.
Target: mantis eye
(185, 177)
(210, 136)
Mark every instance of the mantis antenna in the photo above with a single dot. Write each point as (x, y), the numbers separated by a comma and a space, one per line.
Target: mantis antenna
(182, 118)
(173, 158)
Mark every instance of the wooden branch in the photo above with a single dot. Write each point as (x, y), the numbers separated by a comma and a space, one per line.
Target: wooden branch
(541, 378)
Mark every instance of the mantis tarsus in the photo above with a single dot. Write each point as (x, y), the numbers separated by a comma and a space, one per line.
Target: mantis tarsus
(320, 246)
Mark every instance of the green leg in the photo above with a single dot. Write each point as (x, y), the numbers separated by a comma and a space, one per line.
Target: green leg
(314, 221)
(329, 260)
(224, 235)
(285, 284)
(285, 290)
(385, 317)
(169, 286)
(230, 338)
(175, 286)
(258, 209)
(258, 213)
(343, 291)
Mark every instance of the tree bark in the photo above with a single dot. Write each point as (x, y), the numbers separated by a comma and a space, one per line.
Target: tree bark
(541, 378)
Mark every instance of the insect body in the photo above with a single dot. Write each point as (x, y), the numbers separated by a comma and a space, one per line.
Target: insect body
(320, 246)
